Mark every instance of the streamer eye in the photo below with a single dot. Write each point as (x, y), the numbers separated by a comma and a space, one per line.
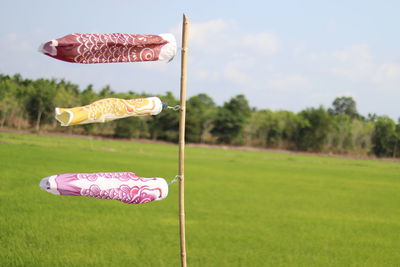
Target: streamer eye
(45, 184)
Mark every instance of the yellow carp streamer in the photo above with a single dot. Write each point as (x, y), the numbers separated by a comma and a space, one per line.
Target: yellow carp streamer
(108, 109)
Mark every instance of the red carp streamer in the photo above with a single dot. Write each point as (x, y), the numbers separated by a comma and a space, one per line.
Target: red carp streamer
(90, 48)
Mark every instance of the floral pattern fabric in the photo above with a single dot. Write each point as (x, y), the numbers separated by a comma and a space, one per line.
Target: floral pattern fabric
(123, 186)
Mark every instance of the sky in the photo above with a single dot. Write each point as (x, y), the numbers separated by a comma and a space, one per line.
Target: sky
(283, 55)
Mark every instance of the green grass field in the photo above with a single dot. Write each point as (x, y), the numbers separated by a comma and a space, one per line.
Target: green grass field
(242, 208)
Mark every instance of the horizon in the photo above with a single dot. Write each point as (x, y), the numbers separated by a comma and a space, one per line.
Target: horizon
(97, 90)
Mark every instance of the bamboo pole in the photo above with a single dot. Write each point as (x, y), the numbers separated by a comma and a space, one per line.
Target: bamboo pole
(182, 117)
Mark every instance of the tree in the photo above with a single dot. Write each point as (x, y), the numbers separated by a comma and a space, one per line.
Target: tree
(396, 152)
(88, 95)
(266, 128)
(165, 125)
(344, 105)
(314, 132)
(200, 111)
(40, 105)
(8, 101)
(230, 120)
(65, 97)
(361, 134)
(340, 134)
(106, 92)
(384, 138)
(131, 127)
(9, 105)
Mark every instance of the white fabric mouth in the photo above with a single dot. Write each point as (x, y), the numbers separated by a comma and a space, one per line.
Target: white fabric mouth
(168, 51)
(49, 48)
(159, 105)
(49, 184)
(64, 117)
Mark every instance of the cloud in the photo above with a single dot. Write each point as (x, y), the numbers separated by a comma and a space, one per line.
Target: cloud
(236, 72)
(208, 37)
(386, 72)
(211, 36)
(225, 37)
(296, 82)
(354, 62)
(264, 43)
(204, 74)
(221, 51)
(267, 69)
(16, 42)
(387, 76)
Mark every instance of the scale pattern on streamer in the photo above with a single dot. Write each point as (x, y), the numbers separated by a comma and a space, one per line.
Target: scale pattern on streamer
(89, 48)
(108, 109)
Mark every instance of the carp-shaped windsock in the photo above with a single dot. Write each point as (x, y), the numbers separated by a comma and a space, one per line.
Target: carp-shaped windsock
(123, 186)
(89, 48)
(108, 109)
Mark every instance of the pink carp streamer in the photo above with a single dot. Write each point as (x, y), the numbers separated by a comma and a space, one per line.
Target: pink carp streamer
(108, 109)
(89, 48)
(123, 186)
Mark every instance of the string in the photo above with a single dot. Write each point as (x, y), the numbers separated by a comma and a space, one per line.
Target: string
(176, 178)
(175, 108)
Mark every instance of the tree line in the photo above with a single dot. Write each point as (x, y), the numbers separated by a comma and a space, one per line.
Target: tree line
(30, 104)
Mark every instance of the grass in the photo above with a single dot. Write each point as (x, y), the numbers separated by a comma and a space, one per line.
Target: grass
(243, 208)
